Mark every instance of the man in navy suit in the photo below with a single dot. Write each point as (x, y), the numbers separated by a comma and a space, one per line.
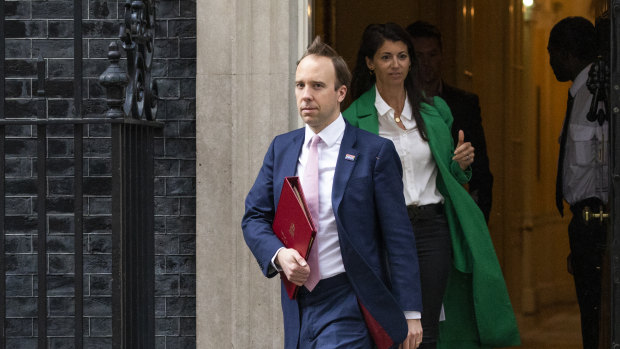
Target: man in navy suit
(365, 248)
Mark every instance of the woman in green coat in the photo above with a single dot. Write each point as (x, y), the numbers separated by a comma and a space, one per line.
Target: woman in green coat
(458, 265)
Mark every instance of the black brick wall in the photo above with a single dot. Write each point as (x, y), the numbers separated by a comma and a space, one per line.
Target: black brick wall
(36, 27)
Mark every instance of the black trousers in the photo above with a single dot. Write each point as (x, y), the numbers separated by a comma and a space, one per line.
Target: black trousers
(434, 247)
(587, 246)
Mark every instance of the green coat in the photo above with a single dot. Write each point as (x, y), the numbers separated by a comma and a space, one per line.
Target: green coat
(476, 303)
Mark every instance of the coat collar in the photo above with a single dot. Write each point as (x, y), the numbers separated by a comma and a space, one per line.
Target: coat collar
(291, 153)
(366, 111)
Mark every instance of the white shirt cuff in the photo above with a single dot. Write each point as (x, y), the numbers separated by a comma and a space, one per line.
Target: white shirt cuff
(273, 261)
(410, 315)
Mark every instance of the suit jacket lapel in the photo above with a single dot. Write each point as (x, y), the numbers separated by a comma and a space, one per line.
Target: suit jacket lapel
(291, 154)
(289, 157)
(344, 165)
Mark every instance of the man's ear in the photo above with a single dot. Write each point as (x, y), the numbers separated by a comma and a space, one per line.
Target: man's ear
(342, 92)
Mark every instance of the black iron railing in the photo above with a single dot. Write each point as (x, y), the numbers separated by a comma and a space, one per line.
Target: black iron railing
(614, 102)
(131, 97)
(2, 187)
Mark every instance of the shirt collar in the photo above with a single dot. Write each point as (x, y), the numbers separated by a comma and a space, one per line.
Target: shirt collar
(383, 108)
(579, 81)
(330, 134)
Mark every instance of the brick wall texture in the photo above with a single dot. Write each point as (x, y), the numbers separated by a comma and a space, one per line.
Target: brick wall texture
(45, 28)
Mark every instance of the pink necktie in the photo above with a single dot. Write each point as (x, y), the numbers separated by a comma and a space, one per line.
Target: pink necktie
(311, 192)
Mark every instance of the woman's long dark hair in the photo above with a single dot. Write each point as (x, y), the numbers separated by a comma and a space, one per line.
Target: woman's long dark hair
(374, 36)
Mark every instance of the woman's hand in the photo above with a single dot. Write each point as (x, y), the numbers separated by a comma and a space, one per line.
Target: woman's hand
(464, 152)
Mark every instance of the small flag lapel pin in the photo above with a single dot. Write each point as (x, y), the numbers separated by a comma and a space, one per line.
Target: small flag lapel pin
(349, 157)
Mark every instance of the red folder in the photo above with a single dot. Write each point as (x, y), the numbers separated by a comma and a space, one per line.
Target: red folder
(293, 225)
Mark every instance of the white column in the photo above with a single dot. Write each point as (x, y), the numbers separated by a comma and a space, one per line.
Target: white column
(247, 51)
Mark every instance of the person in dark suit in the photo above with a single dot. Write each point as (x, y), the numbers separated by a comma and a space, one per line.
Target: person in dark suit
(464, 106)
(365, 249)
(583, 167)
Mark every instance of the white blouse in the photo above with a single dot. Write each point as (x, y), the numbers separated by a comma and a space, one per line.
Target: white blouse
(419, 168)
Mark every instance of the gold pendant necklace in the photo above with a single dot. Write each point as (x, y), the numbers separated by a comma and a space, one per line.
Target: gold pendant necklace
(397, 119)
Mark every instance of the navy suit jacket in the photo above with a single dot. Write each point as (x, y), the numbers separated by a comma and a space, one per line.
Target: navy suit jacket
(376, 238)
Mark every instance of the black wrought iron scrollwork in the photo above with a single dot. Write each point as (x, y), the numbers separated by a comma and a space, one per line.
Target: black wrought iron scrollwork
(598, 76)
(598, 84)
(137, 34)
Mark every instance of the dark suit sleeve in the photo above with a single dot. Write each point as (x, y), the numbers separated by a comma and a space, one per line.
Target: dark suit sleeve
(465, 108)
(481, 183)
(258, 217)
(396, 229)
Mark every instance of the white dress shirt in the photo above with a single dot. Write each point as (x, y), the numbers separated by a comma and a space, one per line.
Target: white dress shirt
(330, 259)
(419, 167)
(586, 162)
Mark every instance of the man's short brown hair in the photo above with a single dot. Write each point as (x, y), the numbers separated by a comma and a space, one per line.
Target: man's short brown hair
(319, 48)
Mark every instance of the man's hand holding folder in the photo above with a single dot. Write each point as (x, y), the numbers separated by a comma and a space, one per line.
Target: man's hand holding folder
(293, 266)
(293, 225)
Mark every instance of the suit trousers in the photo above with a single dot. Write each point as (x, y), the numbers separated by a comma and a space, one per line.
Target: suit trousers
(587, 246)
(434, 246)
(331, 317)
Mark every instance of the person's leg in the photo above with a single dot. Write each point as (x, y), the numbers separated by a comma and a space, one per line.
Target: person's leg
(331, 318)
(587, 247)
(434, 249)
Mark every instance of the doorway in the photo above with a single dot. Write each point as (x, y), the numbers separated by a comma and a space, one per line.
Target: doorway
(497, 49)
